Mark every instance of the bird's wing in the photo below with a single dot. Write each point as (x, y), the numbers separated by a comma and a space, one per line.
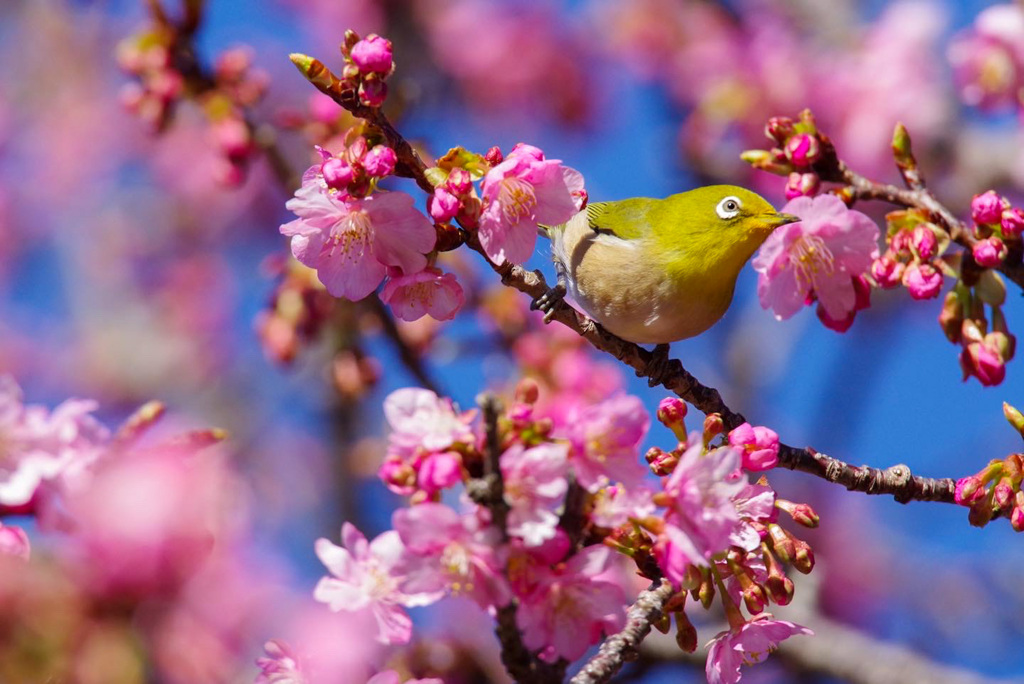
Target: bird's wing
(624, 219)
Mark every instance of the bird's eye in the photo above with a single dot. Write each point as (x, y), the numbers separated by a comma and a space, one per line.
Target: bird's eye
(729, 207)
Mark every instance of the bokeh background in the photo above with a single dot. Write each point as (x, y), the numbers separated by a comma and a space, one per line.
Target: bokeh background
(129, 271)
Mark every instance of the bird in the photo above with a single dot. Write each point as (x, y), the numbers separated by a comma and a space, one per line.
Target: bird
(654, 271)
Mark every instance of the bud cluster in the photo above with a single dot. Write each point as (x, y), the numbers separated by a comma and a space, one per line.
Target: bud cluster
(985, 351)
(455, 196)
(996, 489)
(158, 85)
(797, 147)
(299, 308)
(914, 256)
(368, 64)
(356, 170)
(997, 225)
(162, 79)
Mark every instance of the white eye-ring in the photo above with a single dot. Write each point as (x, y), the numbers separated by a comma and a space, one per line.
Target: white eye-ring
(728, 207)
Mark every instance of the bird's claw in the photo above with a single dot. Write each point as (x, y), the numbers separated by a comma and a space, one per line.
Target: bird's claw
(549, 301)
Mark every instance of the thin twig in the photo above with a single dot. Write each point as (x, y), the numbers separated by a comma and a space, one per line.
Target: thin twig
(410, 359)
(621, 647)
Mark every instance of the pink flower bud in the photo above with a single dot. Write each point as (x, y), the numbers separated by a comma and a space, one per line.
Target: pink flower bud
(803, 149)
(459, 181)
(779, 128)
(754, 598)
(802, 185)
(1012, 222)
(380, 161)
(803, 559)
(923, 281)
(233, 137)
(887, 271)
(440, 471)
(443, 205)
(984, 363)
(494, 156)
(373, 93)
(951, 317)
(989, 252)
(1002, 494)
(398, 475)
(987, 208)
(1017, 518)
(760, 446)
(671, 413)
(337, 173)
(373, 55)
(166, 85)
(923, 240)
(968, 490)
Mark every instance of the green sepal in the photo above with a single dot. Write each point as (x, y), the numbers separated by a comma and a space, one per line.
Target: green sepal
(436, 175)
(462, 158)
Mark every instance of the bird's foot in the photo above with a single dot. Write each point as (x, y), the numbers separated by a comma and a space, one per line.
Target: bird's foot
(659, 365)
(549, 301)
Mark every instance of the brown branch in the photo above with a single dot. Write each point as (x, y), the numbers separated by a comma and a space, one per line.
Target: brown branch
(896, 481)
(622, 647)
(916, 196)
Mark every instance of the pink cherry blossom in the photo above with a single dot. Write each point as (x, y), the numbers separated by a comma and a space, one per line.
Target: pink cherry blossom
(448, 552)
(419, 419)
(984, 361)
(518, 194)
(366, 576)
(572, 606)
(605, 441)
(923, 281)
(745, 645)
(615, 505)
(702, 518)
(40, 445)
(427, 293)
(351, 242)
(372, 54)
(759, 445)
(820, 255)
(535, 484)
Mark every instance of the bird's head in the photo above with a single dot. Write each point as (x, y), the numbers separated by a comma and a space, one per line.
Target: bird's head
(723, 224)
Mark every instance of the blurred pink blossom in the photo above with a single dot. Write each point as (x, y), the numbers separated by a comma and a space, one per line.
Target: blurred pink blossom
(572, 606)
(535, 485)
(391, 677)
(605, 440)
(419, 419)
(518, 194)
(41, 445)
(449, 552)
(365, 576)
(14, 542)
(280, 665)
(614, 505)
(988, 57)
(820, 255)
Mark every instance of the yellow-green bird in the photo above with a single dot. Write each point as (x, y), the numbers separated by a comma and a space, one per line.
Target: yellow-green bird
(653, 271)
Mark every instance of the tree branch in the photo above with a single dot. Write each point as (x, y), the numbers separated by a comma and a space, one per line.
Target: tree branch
(896, 481)
(621, 647)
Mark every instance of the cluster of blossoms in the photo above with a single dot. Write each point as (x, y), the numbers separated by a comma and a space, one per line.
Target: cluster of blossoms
(151, 58)
(355, 236)
(572, 494)
(832, 255)
(996, 489)
(988, 58)
(368, 63)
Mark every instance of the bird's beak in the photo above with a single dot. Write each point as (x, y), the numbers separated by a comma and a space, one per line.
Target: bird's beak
(783, 219)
